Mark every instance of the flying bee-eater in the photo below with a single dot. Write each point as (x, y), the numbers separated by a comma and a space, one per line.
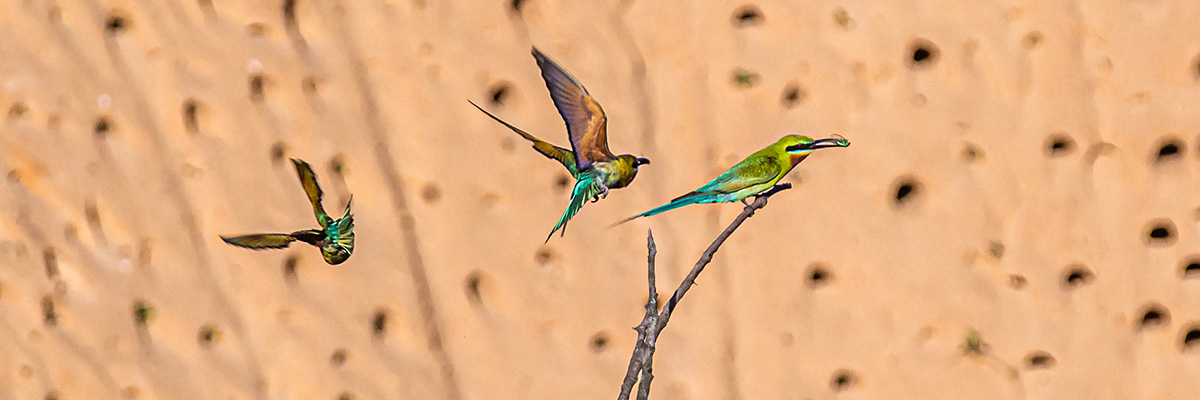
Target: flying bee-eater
(335, 238)
(594, 167)
(753, 175)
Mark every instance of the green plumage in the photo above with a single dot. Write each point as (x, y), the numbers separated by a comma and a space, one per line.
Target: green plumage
(753, 175)
(586, 187)
(335, 238)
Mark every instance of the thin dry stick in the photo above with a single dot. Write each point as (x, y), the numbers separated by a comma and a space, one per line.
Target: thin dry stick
(652, 324)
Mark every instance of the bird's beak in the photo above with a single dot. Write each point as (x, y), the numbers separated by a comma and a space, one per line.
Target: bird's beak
(835, 141)
(641, 161)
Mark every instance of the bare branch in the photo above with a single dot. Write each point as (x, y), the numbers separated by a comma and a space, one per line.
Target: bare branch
(652, 324)
(635, 361)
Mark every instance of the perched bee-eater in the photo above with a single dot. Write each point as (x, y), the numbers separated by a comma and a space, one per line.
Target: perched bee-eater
(335, 238)
(594, 167)
(753, 175)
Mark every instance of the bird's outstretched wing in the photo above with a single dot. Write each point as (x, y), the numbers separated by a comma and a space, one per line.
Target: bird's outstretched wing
(564, 156)
(308, 179)
(314, 237)
(346, 230)
(586, 188)
(261, 241)
(586, 124)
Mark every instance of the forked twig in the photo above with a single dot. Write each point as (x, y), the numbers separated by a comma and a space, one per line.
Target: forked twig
(654, 321)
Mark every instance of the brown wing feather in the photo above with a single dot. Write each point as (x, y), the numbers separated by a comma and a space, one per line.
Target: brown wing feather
(261, 241)
(563, 156)
(308, 179)
(587, 125)
(311, 236)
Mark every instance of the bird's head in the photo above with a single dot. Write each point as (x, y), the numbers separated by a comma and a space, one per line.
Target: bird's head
(334, 254)
(798, 146)
(633, 160)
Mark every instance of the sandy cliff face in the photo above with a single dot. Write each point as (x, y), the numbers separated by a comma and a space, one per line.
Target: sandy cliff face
(1025, 169)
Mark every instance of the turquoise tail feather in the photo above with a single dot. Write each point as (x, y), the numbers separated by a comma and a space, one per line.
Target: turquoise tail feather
(585, 189)
(687, 199)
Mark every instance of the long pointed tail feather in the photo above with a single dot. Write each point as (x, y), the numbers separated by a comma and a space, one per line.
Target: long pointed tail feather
(687, 199)
(523, 134)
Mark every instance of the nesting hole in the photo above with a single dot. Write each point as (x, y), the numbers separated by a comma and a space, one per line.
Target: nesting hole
(310, 85)
(1059, 144)
(379, 323)
(1154, 316)
(115, 23)
(1196, 67)
(1160, 233)
(1191, 269)
(922, 54)
(431, 193)
(346, 396)
(544, 256)
(92, 213)
(499, 93)
(278, 152)
(972, 152)
(191, 118)
(143, 312)
(337, 164)
(1033, 39)
(1169, 150)
(562, 183)
(17, 110)
(1017, 281)
(907, 190)
(50, 259)
(843, 380)
(747, 15)
(49, 314)
(793, 95)
(291, 264)
(338, 358)
(207, 5)
(842, 18)
(51, 395)
(1039, 360)
(257, 86)
(819, 275)
(102, 127)
(996, 249)
(599, 342)
(1076, 276)
(472, 287)
(516, 6)
(289, 13)
(1191, 340)
(208, 335)
(257, 29)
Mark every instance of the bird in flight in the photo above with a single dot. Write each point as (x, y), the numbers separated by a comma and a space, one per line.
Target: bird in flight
(595, 169)
(335, 238)
(753, 175)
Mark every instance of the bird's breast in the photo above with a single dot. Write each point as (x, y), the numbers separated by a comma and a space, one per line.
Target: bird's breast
(616, 174)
